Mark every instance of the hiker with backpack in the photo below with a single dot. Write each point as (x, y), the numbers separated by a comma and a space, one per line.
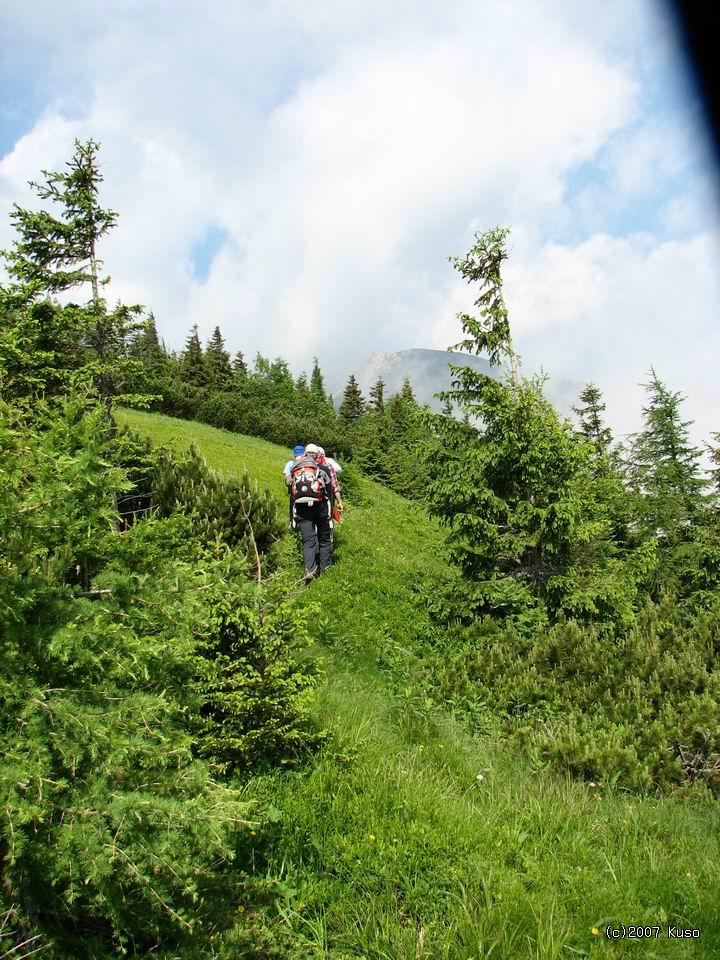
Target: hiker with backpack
(297, 452)
(310, 487)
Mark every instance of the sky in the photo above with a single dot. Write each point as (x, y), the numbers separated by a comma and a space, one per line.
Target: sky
(299, 174)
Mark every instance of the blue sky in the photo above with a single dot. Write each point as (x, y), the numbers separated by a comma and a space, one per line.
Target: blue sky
(300, 173)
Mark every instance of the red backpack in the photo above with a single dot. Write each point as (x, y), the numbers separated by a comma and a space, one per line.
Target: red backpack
(308, 483)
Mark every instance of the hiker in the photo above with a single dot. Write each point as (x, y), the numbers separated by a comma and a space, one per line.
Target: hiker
(297, 451)
(334, 469)
(310, 486)
(333, 464)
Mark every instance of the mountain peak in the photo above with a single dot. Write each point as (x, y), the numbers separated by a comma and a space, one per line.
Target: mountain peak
(429, 373)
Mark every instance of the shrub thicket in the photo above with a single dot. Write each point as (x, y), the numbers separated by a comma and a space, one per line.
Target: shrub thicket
(635, 706)
(137, 664)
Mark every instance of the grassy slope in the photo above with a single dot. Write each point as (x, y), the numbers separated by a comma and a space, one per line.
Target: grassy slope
(408, 839)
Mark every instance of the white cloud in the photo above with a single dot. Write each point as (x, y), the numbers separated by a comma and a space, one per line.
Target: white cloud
(609, 308)
(347, 150)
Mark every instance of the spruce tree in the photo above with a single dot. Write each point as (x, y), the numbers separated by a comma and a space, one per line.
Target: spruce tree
(664, 465)
(406, 437)
(317, 382)
(377, 396)
(353, 404)
(512, 484)
(192, 361)
(301, 385)
(590, 417)
(240, 369)
(217, 362)
(55, 254)
(490, 333)
(283, 385)
(406, 393)
(146, 346)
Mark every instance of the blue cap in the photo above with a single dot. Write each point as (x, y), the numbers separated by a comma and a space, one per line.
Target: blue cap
(298, 450)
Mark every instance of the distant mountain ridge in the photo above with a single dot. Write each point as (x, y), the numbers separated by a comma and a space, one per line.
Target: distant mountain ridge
(429, 373)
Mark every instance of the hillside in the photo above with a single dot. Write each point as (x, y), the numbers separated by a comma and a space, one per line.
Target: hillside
(407, 838)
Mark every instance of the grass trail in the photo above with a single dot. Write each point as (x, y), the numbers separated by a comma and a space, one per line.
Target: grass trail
(407, 838)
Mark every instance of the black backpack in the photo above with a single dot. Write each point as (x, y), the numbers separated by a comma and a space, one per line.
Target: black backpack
(308, 482)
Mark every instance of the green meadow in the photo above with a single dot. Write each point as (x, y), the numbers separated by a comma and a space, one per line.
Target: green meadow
(404, 836)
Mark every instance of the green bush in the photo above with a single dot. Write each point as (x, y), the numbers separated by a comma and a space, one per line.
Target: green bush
(112, 684)
(638, 707)
(233, 509)
(254, 674)
(110, 825)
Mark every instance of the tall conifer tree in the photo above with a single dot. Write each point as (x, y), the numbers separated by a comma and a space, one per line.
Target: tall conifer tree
(217, 362)
(240, 370)
(317, 382)
(147, 347)
(301, 385)
(590, 418)
(512, 484)
(57, 253)
(353, 404)
(377, 396)
(490, 331)
(192, 361)
(406, 393)
(665, 464)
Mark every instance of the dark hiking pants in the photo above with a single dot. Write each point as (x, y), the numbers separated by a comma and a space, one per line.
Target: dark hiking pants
(314, 526)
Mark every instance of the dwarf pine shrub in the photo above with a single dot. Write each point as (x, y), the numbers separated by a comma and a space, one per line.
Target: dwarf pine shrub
(635, 706)
(233, 509)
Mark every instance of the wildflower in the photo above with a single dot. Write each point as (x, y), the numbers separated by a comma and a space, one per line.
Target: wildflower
(241, 909)
(371, 836)
(253, 833)
(480, 778)
(592, 784)
(689, 874)
(595, 932)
